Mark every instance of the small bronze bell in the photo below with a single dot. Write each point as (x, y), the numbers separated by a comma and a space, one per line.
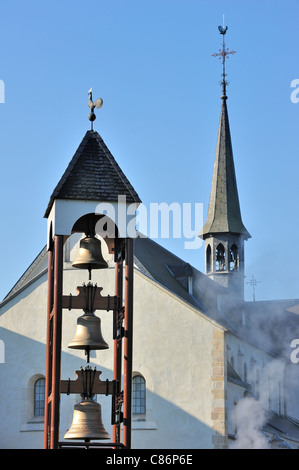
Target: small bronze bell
(90, 255)
(87, 422)
(88, 334)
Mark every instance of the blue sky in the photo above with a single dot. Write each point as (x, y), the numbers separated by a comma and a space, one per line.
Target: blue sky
(151, 62)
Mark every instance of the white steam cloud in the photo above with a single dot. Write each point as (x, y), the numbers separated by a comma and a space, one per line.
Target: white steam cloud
(252, 413)
(249, 418)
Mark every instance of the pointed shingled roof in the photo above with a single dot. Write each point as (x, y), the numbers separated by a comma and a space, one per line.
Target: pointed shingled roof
(224, 215)
(93, 174)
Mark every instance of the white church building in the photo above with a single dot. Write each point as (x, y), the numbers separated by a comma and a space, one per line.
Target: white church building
(210, 370)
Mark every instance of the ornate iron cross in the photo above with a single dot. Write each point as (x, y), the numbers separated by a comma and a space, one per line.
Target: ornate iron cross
(223, 53)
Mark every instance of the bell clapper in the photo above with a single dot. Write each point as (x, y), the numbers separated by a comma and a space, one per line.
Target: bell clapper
(87, 353)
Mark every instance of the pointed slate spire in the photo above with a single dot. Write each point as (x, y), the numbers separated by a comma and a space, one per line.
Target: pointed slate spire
(224, 215)
(93, 174)
(224, 232)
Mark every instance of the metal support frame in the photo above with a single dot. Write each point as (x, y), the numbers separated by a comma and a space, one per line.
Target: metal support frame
(122, 340)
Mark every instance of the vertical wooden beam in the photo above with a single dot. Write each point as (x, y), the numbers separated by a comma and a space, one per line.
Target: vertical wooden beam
(117, 364)
(54, 334)
(48, 379)
(57, 334)
(128, 344)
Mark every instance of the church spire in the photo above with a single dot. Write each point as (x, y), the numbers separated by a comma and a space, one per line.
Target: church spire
(224, 213)
(224, 232)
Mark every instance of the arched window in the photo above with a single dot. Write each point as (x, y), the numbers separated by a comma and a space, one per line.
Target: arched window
(208, 258)
(139, 395)
(233, 258)
(220, 258)
(39, 397)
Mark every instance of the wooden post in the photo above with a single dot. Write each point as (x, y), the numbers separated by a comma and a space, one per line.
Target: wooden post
(48, 379)
(117, 363)
(128, 344)
(53, 351)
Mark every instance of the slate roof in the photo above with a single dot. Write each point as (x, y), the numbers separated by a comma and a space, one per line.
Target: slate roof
(93, 174)
(265, 321)
(224, 213)
(278, 319)
(172, 272)
(283, 426)
(37, 268)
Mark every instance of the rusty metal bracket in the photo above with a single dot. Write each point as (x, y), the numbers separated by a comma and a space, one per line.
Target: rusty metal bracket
(88, 383)
(98, 301)
(118, 318)
(119, 254)
(117, 414)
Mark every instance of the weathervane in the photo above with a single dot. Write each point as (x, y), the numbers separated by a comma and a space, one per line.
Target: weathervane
(97, 104)
(223, 53)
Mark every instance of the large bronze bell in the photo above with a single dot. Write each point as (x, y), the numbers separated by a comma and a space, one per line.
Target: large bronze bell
(90, 254)
(87, 422)
(88, 334)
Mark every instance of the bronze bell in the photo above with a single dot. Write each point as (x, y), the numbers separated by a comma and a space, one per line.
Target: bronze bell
(87, 422)
(88, 334)
(90, 255)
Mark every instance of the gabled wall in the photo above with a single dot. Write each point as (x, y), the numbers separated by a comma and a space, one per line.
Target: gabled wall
(174, 349)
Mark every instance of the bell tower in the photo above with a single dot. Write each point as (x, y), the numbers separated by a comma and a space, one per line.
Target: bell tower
(224, 233)
(93, 198)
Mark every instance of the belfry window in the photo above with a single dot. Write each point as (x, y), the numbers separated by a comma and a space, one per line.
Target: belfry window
(220, 258)
(208, 258)
(233, 258)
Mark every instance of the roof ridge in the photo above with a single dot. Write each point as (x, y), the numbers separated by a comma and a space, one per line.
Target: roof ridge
(115, 164)
(26, 274)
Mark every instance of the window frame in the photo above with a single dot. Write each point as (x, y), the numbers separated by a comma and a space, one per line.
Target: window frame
(142, 398)
(39, 398)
